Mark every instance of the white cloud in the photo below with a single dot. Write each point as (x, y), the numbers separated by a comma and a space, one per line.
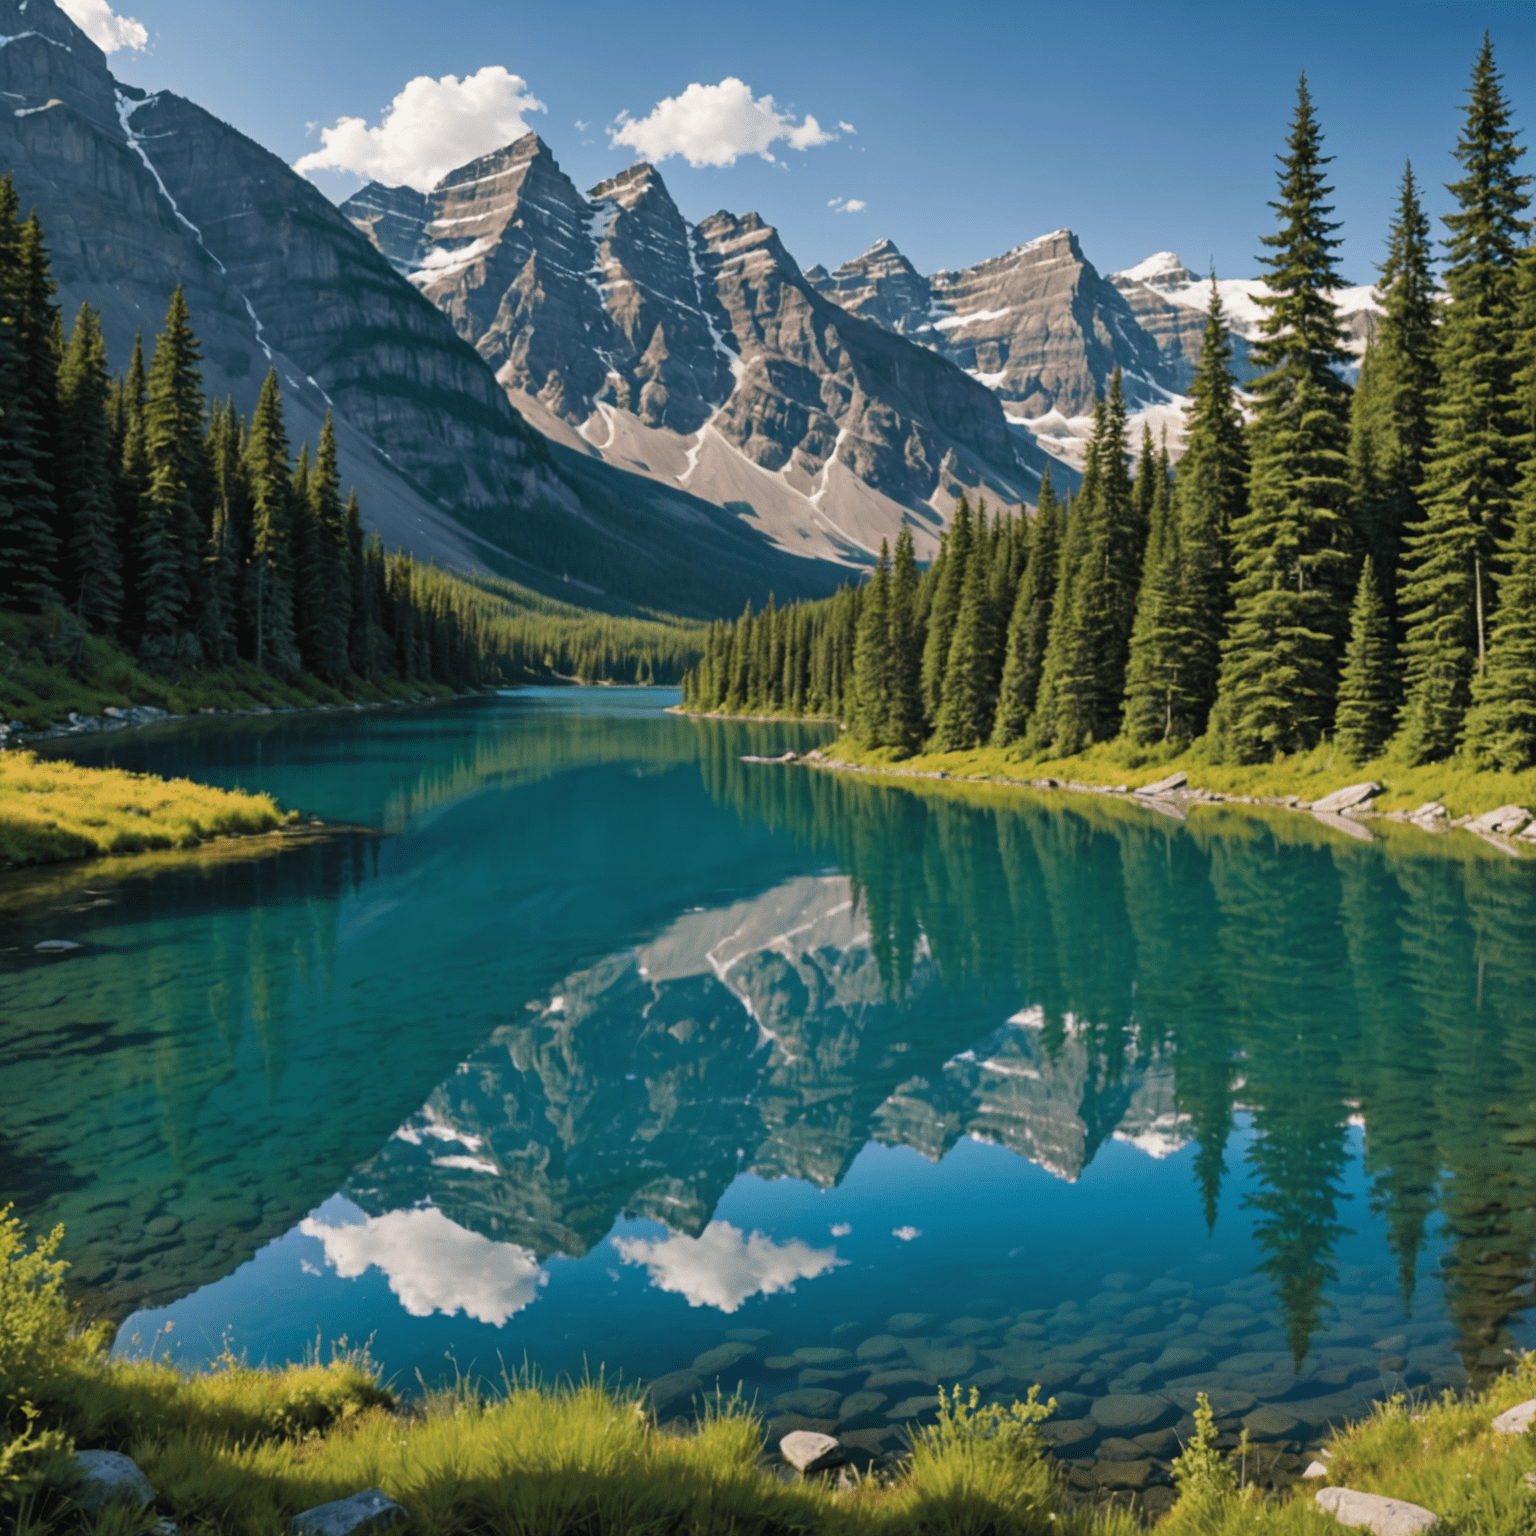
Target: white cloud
(432, 127)
(847, 204)
(716, 125)
(847, 127)
(104, 27)
(840, 1229)
(433, 1264)
(721, 1268)
(906, 1234)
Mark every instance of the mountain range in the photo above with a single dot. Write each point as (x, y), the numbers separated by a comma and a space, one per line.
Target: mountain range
(584, 391)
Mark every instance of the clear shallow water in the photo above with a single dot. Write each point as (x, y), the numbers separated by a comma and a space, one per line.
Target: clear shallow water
(608, 1049)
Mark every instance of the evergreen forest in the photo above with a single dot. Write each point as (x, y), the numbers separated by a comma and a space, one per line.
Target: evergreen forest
(140, 516)
(1327, 563)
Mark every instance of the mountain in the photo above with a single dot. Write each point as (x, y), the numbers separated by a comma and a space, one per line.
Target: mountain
(138, 192)
(699, 355)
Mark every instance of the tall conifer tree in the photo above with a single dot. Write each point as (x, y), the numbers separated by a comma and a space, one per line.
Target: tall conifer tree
(91, 568)
(906, 722)
(1447, 597)
(333, 576)
(873, 661)
(269, 576)
(1389, 419)
(949, 579)
(229, 536)
(1029, 626)
(1157, 696)
(1279, 665)
(968, 702)
(1368, 693)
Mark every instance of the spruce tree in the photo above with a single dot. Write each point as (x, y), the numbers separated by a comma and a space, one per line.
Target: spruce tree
(229, 538)
(1446, 596)
(949, 579)
(1156, 687)
(906, 717)
(1083, 678)
(1279, 667)
(1389, 417)
(28, 542)
(1368, 692)
(269, 576)
(172, 543)
(1501, 725)
(968, 701)
(1029, 625)
(92, 570)
(873, 662)
(364, 618)
(332, 564)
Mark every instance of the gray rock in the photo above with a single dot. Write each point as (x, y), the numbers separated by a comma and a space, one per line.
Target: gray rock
(910, 1322)
(1165, 786)
(361, 1515)
(1269, 1422)
(56, 947)
(1343, 799)
(722, 1357)
(1379, 1515)
(1516, 1420)
(1315, 1469)
(1507, 819)
(807, 1451)
(881, 1347)
(1132, 1411)
(109, 1478)
(813, 1402)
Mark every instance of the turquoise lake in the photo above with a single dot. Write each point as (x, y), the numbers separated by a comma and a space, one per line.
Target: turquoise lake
(591, 1046)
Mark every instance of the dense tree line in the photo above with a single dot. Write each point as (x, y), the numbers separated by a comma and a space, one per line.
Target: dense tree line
(194, 538)
(1355, 564)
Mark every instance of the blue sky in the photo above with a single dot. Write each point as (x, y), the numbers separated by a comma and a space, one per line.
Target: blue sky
(977, 125)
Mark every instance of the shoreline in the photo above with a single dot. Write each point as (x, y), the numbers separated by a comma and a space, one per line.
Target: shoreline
(1347, 808)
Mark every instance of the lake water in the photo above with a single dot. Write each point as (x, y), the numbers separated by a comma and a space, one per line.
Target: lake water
(605, 1049)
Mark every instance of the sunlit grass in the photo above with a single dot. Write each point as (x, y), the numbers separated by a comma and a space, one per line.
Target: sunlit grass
(54, 809)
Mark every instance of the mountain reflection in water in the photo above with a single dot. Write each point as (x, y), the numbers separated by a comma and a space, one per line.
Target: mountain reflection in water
(639, 972)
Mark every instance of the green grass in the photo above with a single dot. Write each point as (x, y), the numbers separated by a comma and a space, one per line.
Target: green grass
(1455, 783)
(52, 810)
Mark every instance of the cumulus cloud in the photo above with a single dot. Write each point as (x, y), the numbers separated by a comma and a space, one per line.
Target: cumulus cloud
(433, 1264)
(716, 125)
(104, 26)
(432, 127)
(722, 1267)
(847, 204)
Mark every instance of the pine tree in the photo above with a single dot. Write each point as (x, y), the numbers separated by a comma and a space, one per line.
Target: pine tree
(1156, 688)
(1029, 626)
(906, 718)
(949, 579)
(873, 662)
(269, 576)
(1279, 666)
(332, 562)
(1389, 417)
(1368, 692)
(92, 570)
(28, 543)
(1446, 596)
(229, 538)
(171, 542)
(364, 616)
(968, 701)
(1083, 678)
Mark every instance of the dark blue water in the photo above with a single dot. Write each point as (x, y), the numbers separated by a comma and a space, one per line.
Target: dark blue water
(593, 1046)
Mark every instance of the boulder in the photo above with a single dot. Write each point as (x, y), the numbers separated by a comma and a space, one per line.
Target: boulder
(361, 1515)
(911, 1407)
(1343, 799)
(1379, 1515)
(814, 1402)
(1165, 786)
(1315, 1469)
(1516, 1420)
(109, 1478)
(722, 1357)
(1132, 1412)
(858, 1403)
(673, 1387)
(1270, 1422)
(807, 1451)
(881, 1347)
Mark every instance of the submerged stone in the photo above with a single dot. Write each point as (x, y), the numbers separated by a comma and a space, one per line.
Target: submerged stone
(1133, 1411)
(722, 1357)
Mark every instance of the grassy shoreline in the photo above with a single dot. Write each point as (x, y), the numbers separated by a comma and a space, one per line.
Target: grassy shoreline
(52, 810)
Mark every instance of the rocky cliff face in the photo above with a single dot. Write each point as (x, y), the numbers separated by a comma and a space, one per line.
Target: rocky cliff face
(757, 1037)
(138, 192)
(701, 357)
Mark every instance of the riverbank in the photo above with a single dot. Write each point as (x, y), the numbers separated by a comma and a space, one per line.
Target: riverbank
(1431, 797)
(242, 1449)
(54, 810)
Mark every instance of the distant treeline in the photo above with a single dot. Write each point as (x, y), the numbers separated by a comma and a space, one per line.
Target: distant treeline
(1354, 564)
(191, 536)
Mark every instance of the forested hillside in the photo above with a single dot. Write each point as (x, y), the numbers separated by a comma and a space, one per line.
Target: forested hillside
(1348, 565)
